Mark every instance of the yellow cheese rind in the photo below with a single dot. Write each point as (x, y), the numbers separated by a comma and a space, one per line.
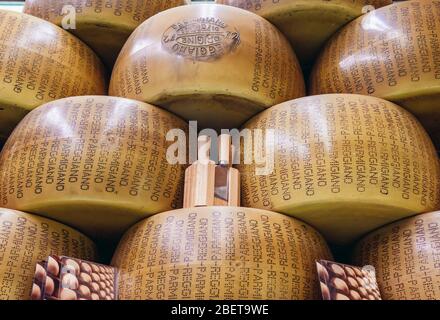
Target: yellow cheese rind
(243, 65)
(104, 26)
(39, 63)
(346, 164)
(405, 255)
(26, 239)
(93, 162)
(391, 53)
(219, 253)
(307, 24)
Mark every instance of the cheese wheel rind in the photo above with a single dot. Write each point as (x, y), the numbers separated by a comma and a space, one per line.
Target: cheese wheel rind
(391, 53)
(219, 253)
(40, 62)
(26, 239)
(307, 24)
(105, 27)
(405, 255)
(242, 66)
(346, 164)
(96, 163)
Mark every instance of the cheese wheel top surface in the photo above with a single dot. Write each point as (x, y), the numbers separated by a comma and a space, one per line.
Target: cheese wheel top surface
(216, 64)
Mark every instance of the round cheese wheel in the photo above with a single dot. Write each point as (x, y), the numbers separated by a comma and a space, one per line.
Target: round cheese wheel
(345, 164)
(392, 53)
(216, 64)
(308, 24)
(93, 162)
(26, 239)
(40, 62)
(406, 256)
(103, 25)
(219, 253)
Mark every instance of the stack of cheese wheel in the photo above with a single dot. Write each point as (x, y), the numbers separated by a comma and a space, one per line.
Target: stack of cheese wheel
(219, 253)
(93, 162)
(406, 255)
(216, 64)
(346, 164)
(308, 24)
(39, 63)
(391, 53)
(26, 239)
(103, 25)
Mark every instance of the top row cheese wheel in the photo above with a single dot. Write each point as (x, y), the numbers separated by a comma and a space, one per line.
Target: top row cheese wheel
(308, 24)
(344, 163)
(103, 25)
(391, 53)
(40, 62)
(216, 64)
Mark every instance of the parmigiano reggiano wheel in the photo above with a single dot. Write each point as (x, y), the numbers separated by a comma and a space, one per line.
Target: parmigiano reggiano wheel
(95, 163)
(406, 255)
(346, 164)
(392, 53)
(103, 25)
(216, 64)
(219, 253)
(26, 239)
(308, 24)
(39, 63)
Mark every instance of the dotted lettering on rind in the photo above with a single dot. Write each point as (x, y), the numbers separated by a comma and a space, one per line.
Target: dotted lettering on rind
(56, 66)
(86, 147)
(224, 254)
(406, 256)
(26, 240)
(336, 148)
(376, 147)
(263, 6)
(134, 12)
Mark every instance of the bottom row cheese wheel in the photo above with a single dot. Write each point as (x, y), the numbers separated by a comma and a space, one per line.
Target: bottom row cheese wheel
(406, 255)
(219, 253)
(26, 239)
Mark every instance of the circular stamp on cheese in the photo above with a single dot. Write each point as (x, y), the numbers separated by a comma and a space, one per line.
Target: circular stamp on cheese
(221, 65)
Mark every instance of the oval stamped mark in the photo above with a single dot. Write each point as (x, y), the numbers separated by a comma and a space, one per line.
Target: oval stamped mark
(200, 39)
